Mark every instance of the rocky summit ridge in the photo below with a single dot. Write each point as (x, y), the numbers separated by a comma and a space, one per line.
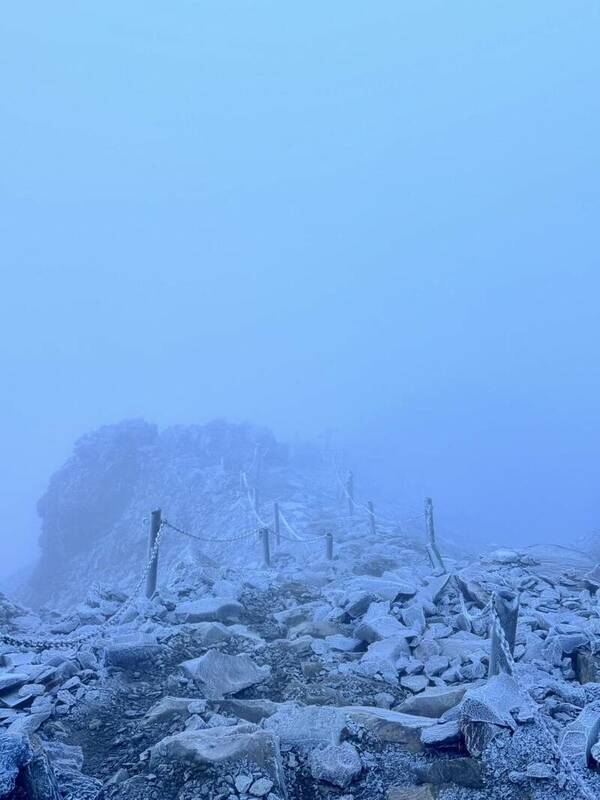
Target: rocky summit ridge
(362, 676)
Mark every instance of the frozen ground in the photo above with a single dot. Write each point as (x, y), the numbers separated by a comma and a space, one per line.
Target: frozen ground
(364, 676)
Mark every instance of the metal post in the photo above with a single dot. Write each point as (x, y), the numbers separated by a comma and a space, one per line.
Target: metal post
(432, 548)
(371, 518)
(276, 523)
(350, 491)
(257, 476)
(155, 522)
(266, 548)
(329, 546)
(506, 604)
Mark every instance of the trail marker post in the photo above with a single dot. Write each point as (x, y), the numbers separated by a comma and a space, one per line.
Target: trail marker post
(371, 518)
(432, 548)
(276, 524)
(506, 607)
(329, 546)
(350, 491)
(155, 523)
(266, 547)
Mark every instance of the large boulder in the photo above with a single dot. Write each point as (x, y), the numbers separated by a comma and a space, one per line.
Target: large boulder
(390, 726)
(221, 674)
(221, 745)
(486, 710)
(308, 725)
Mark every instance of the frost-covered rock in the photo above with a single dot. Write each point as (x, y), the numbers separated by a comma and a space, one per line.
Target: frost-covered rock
(336, 764)
(214, 746)
(221, 674)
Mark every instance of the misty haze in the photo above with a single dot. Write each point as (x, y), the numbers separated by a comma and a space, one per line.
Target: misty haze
(299, 476)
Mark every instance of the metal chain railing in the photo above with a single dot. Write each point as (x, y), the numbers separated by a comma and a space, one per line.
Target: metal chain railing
(208, 539)
(73, 641)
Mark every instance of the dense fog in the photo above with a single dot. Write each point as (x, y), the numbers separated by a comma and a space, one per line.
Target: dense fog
(372, 222)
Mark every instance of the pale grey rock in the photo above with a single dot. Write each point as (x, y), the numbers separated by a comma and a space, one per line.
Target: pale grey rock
(415, 683)
(214, 746)
(209, 609)
(433, 702)
(390, 726)
(169, 707)
(222, 674)
(307, 725)
(261, 787)
(578, 738)
(445, 734)
(27, 724)
(15, 752)
(336, 764)
(130, 652)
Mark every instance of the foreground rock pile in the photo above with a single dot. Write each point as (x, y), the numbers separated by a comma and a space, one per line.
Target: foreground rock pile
(361, 677)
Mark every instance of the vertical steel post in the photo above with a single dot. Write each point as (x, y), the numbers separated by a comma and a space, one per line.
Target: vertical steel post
(506, 605)
(276, 523)
(432, 548)
(350, 491)
(155, 522)
(329, 546)
(266, 547)
(371, 518)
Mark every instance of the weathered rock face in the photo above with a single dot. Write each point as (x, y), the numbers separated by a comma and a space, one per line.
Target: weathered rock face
(93, 510)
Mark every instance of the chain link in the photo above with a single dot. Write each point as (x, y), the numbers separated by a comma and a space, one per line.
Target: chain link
(69, 641)
(206, 538)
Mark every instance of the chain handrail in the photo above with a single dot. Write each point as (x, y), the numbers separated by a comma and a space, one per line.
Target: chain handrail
(69, 641)
(210, 539)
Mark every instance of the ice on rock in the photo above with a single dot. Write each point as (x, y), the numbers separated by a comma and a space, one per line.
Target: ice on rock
(336, 764)
(221, 674)
(308, 726)
(209, 609)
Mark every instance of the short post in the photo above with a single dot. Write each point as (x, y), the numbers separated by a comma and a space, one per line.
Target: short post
(155, 523)
(257, 475)
(350, 492)
(506, 607)
(329, 546)
(432, 548)
(266, 547)
(276, 524)
(371, 518)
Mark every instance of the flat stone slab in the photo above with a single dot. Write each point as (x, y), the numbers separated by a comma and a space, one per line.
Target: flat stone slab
(308, 725)
(391, 726)
(219, 745)
(209, 609)
(433, 702)
(221, 674)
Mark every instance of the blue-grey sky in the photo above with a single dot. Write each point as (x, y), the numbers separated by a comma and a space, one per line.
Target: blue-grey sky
(380, 218)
